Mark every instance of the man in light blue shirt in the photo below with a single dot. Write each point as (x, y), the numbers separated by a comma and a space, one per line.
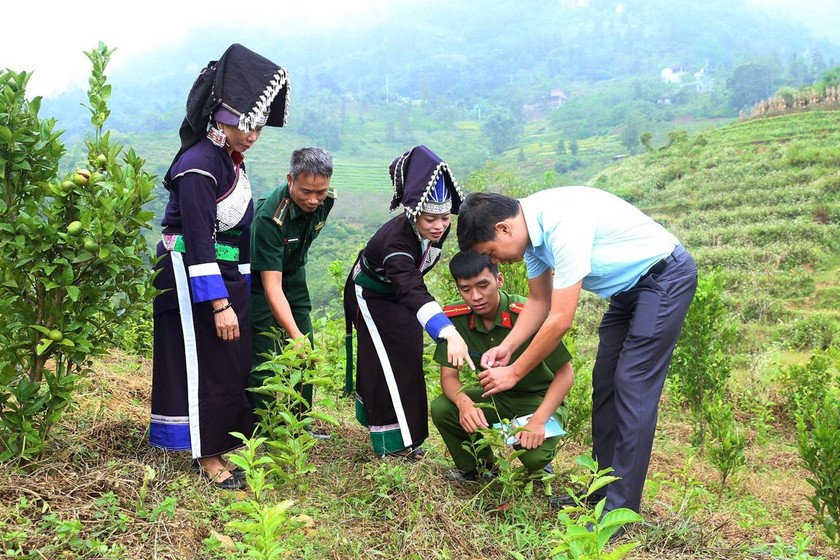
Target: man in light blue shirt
(582, 238)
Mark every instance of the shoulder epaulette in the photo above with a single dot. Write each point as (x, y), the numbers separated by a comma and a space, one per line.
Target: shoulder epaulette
(281, 212)
(516, 307)
(456, 310)
(332, 192)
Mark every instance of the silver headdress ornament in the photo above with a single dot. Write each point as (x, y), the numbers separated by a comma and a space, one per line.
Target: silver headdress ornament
(423, 182)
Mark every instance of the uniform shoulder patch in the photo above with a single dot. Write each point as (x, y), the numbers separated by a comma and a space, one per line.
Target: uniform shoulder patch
(281, 212)
(516, 307)
(457, 309)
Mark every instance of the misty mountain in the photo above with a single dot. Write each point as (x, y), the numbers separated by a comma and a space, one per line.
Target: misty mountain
(464, 54)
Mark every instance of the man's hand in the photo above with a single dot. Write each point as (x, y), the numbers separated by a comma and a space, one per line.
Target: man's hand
(470, 416)
(496, 380)
(532, 435)
(305, 351)
(495, 357)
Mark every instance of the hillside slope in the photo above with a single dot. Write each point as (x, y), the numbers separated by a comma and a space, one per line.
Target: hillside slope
(760, 200)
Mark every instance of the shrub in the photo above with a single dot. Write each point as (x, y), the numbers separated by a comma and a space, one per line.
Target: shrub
(286, 421)
(814, 332)
(701, 366)
(814, 400)
(73, 259)
(726, 446)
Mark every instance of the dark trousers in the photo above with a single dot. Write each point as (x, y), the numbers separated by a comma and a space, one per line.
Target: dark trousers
(637, 338)
(297, 294)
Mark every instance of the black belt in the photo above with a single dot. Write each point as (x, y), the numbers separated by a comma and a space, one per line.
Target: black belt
(660, 265)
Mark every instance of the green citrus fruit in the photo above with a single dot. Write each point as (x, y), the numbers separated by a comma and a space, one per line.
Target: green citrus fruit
(56, 335)
(101, 161)
(74, 228)
(67, 186)
(91, 245)
(81, 177)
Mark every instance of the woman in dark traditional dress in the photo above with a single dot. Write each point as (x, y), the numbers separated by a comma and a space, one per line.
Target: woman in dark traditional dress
(386, 299)
(202, 346)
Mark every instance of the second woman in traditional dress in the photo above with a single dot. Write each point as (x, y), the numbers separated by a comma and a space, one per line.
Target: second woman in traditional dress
(386, 299)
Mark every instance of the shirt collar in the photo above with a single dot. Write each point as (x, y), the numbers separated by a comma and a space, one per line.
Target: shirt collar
(530, 211)
(295, 211)
(502, 319)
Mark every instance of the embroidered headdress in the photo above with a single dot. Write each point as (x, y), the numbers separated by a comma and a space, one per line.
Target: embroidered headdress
(423, 182)
(246, 85)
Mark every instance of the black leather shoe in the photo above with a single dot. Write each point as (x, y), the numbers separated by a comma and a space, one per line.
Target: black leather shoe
(232, 482)
(236, 480)
(460, 476)
(559, 502)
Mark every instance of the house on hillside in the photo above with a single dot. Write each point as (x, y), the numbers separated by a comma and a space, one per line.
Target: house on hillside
(556, 98)
(673, 74)
(683, 78)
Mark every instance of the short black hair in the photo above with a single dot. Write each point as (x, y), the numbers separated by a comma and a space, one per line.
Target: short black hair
(468, 264)
(479, 214)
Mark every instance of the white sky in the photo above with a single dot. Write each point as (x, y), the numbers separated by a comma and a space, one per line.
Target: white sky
(50, 38)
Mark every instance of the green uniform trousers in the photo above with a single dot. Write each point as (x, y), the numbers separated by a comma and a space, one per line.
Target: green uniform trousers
(445, 417)
(262, 320)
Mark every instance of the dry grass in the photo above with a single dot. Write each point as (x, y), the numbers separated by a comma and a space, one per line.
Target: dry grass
(363, 507)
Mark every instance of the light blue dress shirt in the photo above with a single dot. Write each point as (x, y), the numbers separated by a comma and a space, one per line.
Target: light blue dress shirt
(590, 234)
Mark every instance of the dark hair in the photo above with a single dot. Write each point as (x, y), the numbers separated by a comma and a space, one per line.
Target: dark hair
(468, 264)
(479, 214)
(311, 161)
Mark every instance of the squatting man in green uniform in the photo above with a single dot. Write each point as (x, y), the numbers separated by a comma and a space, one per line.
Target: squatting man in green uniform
(483, 319)
(286, 222)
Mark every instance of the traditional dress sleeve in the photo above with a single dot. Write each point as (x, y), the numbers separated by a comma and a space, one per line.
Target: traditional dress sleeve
(267, 241)
(402, 268)
(197, 197)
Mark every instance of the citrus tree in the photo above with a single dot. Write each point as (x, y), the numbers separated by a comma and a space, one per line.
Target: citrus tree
(73, 259)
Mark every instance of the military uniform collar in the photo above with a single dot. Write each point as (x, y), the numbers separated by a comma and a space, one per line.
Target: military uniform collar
(503, 318)
(295, 211)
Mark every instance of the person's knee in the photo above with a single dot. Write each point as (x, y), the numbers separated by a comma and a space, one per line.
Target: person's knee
(535, 460)
(440, 408)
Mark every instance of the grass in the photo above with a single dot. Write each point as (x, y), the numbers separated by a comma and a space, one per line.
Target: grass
(359, 506)
(758, 198)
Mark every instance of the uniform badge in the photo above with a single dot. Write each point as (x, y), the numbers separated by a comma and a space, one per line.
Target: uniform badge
(457, 309)
(506, 322)
(281, 212)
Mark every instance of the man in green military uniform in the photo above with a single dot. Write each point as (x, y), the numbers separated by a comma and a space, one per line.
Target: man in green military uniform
(483, 319)
(286, 222)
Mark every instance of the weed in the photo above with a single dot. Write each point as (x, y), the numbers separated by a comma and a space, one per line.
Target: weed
(780, 550)
(588, 534)
(287, 419)
(725, 449)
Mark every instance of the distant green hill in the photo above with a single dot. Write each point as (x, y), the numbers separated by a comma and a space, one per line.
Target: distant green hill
(759, 199)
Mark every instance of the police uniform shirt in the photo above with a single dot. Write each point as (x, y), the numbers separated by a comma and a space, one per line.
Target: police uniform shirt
(479, 339)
